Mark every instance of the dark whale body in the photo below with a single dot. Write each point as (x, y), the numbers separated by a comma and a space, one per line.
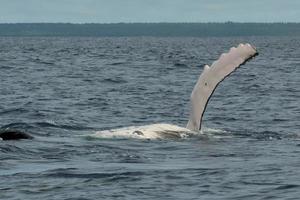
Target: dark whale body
(14, 135)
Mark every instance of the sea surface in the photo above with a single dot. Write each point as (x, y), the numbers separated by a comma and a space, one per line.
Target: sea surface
(63, 89)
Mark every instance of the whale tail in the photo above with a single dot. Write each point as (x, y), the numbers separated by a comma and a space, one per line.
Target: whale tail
(212, 76)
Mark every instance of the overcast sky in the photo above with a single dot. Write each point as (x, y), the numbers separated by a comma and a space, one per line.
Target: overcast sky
(112, 11)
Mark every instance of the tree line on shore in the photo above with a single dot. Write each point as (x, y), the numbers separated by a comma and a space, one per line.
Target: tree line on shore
(150, 29)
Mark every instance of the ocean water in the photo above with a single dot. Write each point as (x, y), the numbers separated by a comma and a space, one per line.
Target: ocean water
(61, 90)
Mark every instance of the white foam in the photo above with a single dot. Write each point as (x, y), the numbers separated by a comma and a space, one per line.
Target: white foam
(212, 130)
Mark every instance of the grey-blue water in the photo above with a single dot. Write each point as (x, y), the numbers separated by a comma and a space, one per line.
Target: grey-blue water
(61, 89)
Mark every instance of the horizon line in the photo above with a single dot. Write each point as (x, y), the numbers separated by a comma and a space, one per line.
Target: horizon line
(81, 23)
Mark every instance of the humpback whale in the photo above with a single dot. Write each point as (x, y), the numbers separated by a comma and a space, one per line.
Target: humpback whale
(208, 81)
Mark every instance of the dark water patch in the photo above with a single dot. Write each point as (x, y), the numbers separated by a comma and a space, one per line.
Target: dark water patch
(5, 67)
(263, 183)
(46, 62)
(178, 64)
(268, 135)
(110, 177)
(17, 125)
(115, 80)
(259, 135)
(280, 120)
(287, 187)
(62, 126)
(9, 148)
(13, 111)
(117, 63)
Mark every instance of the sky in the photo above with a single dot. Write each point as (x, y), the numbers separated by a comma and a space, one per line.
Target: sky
(115, 11)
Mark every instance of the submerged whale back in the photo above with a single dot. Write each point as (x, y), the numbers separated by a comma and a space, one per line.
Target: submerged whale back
(14, 135)
(153, 131)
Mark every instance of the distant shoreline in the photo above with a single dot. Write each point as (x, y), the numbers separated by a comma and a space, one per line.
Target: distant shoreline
(150, 29)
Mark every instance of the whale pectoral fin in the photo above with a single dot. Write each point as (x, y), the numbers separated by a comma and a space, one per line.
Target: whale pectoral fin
(211, 77)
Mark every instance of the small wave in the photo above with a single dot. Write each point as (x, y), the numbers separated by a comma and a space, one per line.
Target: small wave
(48, 123)
(117, 63)
(29, 126)
(280, 120)
(114, 80)
(3, 67)
(17, 125)
(180, 65)
(10, 148)
(213, 130)
(70, 173)
(287, 186)
(13, 111)
(46, 62)
(267, 135)
(259, 135)
(54, 124)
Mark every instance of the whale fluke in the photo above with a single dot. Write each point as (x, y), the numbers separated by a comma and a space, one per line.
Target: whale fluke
(212, 76)
(14, 135)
